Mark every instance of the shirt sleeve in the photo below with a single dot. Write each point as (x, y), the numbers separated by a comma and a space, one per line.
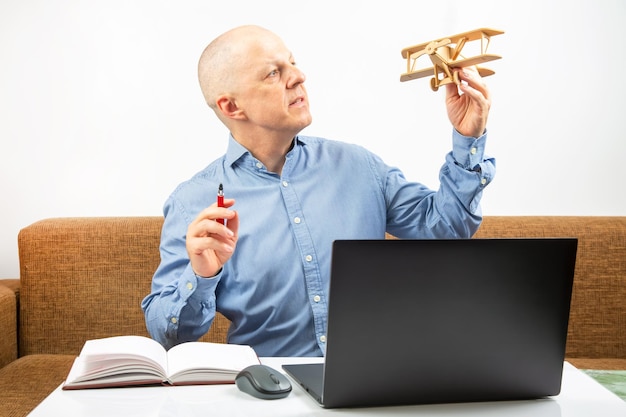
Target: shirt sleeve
(469, 153)
(452, 211)
(181, 305)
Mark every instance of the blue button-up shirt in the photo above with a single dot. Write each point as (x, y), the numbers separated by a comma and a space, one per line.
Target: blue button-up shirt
(274, 288)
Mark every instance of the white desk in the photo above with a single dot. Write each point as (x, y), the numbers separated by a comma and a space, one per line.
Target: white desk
(581, 396)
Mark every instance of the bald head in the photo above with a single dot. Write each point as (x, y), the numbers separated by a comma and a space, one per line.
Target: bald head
(250, 80)
(223, 58)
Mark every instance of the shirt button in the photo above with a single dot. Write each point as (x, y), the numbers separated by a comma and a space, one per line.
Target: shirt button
(473, 151)
(189, 285)
(297, 220)
(317, 298)
(308, 258)
(259, 165)
(285, 183)
(483, 181)
(323, 339)
(174, 320)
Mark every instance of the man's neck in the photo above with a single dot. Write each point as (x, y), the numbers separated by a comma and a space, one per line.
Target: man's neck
(271, 152)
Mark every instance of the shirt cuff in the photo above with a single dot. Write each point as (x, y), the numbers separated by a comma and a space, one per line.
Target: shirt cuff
(197, 287)
(468, 152)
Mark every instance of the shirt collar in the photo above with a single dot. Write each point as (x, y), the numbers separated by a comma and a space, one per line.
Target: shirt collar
(236, 151)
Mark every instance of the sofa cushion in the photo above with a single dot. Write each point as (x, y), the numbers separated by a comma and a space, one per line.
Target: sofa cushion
(27, 381)
(598, 364)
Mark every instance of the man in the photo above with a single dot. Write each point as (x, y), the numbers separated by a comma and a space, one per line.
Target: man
(267, 268)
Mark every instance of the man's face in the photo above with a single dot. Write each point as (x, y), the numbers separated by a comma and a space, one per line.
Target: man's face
(271, 92)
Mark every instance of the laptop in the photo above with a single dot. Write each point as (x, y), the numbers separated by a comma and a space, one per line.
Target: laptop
(443, 321)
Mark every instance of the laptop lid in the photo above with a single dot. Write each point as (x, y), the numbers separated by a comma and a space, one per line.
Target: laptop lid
(438, 321)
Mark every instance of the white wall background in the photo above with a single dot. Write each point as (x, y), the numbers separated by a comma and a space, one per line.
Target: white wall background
(101, 114)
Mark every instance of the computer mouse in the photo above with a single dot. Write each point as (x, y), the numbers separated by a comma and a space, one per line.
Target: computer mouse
(262, 381)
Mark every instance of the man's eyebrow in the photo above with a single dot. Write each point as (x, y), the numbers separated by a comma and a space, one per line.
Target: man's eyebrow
(277, 59)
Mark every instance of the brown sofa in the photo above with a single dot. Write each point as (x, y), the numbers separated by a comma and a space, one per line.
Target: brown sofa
(84, 278)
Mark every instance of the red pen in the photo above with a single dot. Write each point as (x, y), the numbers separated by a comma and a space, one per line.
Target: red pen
(220, 200)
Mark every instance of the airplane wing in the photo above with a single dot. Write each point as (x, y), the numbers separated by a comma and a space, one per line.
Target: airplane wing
(475, 34)
(475, 60)
(461, 63)
(417, 74)
(471, 35)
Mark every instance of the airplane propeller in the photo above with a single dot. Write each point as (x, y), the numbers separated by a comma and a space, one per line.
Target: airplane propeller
(431, 48)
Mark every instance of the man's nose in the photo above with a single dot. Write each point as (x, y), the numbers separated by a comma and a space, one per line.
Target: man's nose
(296, 77)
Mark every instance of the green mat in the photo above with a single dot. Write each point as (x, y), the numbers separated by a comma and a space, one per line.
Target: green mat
(614, 381)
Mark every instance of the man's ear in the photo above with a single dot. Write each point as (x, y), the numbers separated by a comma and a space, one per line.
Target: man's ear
(228, 107)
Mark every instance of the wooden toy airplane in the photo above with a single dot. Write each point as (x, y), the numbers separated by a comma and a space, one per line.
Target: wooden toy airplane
(445, 54)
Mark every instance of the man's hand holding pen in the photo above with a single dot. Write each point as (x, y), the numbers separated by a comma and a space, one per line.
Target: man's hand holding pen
(210, 243)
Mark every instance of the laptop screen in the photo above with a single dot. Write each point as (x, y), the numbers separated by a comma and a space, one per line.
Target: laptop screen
(432, 321)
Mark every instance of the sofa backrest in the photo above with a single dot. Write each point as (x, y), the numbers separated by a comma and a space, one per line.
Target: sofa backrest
(84, 278)
(597, 326)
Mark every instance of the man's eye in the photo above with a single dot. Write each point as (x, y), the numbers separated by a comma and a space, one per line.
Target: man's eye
(273, 73)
